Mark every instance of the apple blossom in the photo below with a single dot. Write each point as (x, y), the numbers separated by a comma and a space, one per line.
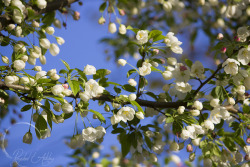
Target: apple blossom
(41, 74)
(209, 124)
(45, 43)
(122, 62)
(122, 29)
(126, 114)
(101, 20)
(145, 69)
(89, 70)
(139, 115)
(112, 28)
(132, 82)
(244, 56)
(231, 66)
(60, 40)
(54, 49)
(181, 109)
(215, 102)
(41, 4)
(142, 36)
(19, 65)
(5, 59)
(172, 61)
(67, 108)
(173, 42)
(50, 30)
(37, 68)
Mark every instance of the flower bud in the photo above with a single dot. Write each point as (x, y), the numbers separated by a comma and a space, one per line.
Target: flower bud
(18, 31)
(192, 157)
(39, 89)
(231, 100)
(237, 39)
(54, 49)
(112, 28)
(195, 112)
(24, 58)
(220, 36)
(122, 29)
(196, 142)
(189, 148)
(107, 108)
(11, 27)
(215, 102)
(248, 140)
(121, 12)
(174, 146)
(156, 51)
(57, 23)
(132, 97)
(167, 75)
(132, 82)
(181, 110)
(55, 77)
(27, 138)
(45, 43)
(76, 15)
(101, 20)
(139, 115)
(172, 61)
(35, 24)
(19, 65)
(41, 4)
(122, 62)
(153, 157)
(60, 40)
(95, 116)
(223, 50)
(67, 108)
(32, 60)
(5, 59)
(50, 30)
(37, 68)
(57, 107)
(42, 59)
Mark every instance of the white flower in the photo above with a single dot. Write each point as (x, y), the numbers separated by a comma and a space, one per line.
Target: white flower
(19, 48)
(89, 134)
(35, 24)
(172, 61)
(122, 62)
(173, 42)
(93, 88)
(39, 89)
(185, 134)
(167, 75)
(100, 132)
(139, 115)
(126, 114)
(5, 59)
(67, 108)
(101, 20)
(32, 60)
(241, 89)
(181, 73)
(122, 29)
(115, 119)
(142, 36)
(57, 107)
(89, 70)
(6, 2)
(145, 69)
(247, 149)
(84, 96)
(51, 72)
(55, 77)
(9, 80)
(54, 49)
(181, 109)
(132, 82)
(198, 105)
(195, 112)
(57, 90)
(244, 56)
(45, 43)
(231, 100)
(41, 74)
(42, 59)
(231, 66)
(37, 68)
(196, 142)
(132, 97)
(209, 124)
(24, 80)
(60, 40)
(67, 92)
(215, 102)
(207, 162)
(41, 4)
(183, 87)
(197, 70)
(17, 16)
(19, 65)
(112, 28)
(50, 30)
(24, 58)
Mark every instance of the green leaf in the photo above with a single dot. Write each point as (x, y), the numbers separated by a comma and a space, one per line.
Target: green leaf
(117, 90)
(240, 141)
(152, 95)
(103, 7)
(63, 71)
(155, 69)
(43, 80)
(66, 64)
(100, 74)
(158, 38)
(99, 115)
(113, 83)
(169, 120)
(41, 126)
(26, 108)
(130, 72)
(66, 116)
(218, 92)
(188, 62)
(129, 88)
(118, 130)
(134, 103)
(75, 86)
(135, 30)
(49, 18)
(148, 141)
(125, 144)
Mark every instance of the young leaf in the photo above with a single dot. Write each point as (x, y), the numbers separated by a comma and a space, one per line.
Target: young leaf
(99, 115)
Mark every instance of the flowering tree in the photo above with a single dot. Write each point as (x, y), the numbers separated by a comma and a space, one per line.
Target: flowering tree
(214, 119)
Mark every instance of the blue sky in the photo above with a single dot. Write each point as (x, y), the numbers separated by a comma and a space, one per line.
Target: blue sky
(82, 47)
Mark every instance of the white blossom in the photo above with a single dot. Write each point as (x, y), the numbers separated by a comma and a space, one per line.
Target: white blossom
(145, 69)
(57, 90)
(132, 82)
(167, 75)
(37, 68)
(142, 36)
(231, 66)
(183, 87)
(126, 114)
(89, 70)
(132, 97)
(172, 61)
(244, 56)
(60, 40)
(122, 29)
(115, 119)
(122, 62)
(67, 108)
(41, 74)
(50, 30)
(209, 124)
(112, 28)
(89, 134)
(195, 112)
(45, 43)
(41, 4)
(197, 70)
(173, 42)
(19, 48)
(215, 102)
(198, 105)
(84, 96)
(185, 134)
(5, 59)
(181, 109)
(93, 88)
(196, 142)
(54, 49)
(139, 115)
(181, 73)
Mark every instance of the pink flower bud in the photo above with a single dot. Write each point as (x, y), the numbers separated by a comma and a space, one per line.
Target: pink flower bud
(223, 50)
(76, 15)
(122, 12)
(183, 68)
(220, 36)
(237, 38)
(66, 86)
(248, 140)
(189, 148)
(156, 51)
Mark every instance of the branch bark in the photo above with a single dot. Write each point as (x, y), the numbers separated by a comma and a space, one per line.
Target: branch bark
(51, 6)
